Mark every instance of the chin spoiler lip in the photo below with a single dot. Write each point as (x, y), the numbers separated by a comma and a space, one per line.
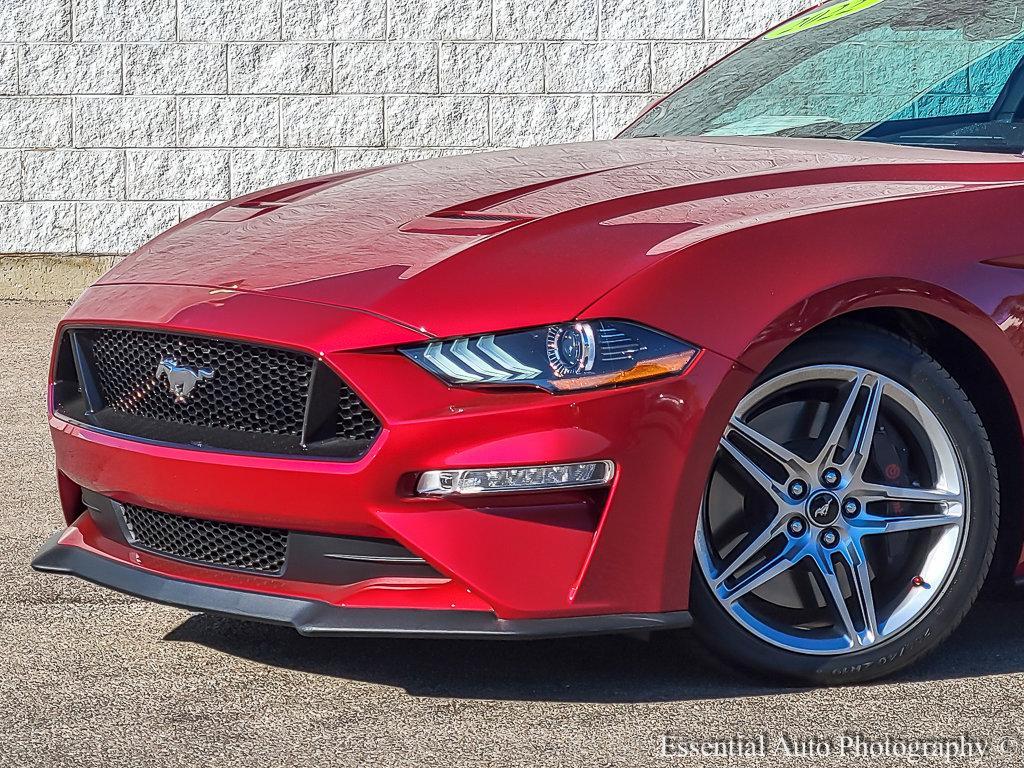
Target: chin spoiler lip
(566, 357)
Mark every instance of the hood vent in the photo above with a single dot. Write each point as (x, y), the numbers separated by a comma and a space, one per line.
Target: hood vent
(459, 222)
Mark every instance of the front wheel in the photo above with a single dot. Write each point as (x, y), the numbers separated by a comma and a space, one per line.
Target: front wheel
(851, 513)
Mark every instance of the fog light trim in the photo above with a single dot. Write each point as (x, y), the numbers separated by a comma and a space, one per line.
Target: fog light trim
(538, 477)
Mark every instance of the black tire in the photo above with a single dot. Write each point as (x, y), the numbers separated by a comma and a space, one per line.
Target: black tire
(875, 349)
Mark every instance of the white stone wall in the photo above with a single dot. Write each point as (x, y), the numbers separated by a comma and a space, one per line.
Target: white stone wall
(118, 118)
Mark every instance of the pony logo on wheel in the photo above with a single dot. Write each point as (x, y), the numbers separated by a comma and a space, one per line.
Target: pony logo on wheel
(823, 508)
(181, 379)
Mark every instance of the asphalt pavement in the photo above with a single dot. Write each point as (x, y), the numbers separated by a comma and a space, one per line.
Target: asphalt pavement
(92, 678)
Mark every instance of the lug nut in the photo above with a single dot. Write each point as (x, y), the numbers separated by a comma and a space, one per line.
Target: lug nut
(829, 538)
(797, 526)
(797, 489)
(831, 477)
(851, 507)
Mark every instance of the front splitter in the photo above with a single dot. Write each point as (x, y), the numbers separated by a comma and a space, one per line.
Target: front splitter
(314, 617)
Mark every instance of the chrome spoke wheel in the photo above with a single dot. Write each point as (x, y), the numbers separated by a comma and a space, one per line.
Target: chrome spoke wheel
(836, 512)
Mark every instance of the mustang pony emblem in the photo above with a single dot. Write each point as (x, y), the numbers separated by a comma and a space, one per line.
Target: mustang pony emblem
(181, 379)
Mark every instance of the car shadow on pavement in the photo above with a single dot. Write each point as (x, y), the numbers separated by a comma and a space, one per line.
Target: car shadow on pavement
(671, 666)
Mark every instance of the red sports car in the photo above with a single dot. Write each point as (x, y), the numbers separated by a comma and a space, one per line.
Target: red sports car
(754, 364)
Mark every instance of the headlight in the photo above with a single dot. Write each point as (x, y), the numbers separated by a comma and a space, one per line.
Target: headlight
(558, 358)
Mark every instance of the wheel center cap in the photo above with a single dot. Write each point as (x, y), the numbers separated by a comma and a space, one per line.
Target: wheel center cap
(823, 508)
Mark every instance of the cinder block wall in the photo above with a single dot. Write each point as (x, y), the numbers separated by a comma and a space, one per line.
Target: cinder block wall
(118, 118)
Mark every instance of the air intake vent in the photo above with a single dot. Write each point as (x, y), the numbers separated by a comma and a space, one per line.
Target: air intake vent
(239, 547)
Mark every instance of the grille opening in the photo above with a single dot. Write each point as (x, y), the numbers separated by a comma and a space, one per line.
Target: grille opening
(320, 558)
(256, 398)
(227, 545)
(253, 389)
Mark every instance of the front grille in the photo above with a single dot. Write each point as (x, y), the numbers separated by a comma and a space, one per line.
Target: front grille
(241, 547)
(251, 397)
(254, 389)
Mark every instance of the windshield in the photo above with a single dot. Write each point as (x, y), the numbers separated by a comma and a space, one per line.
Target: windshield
(916, 72)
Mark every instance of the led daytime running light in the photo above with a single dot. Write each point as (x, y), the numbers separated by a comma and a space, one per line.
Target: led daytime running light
(467, 482)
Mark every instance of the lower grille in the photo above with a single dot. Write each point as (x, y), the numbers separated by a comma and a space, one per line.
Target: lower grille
(297, 556)
(240, 547)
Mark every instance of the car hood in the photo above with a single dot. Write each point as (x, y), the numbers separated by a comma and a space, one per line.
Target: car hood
(522, 237)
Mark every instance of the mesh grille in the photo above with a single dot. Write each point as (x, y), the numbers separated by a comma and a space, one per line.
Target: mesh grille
(254, 389)
(242, 547)
(251, 388)
(355, 420)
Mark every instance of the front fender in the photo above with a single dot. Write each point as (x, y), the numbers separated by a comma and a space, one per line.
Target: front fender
(748, 292)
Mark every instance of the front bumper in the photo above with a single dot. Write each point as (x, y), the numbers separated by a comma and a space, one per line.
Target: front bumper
(619, 557)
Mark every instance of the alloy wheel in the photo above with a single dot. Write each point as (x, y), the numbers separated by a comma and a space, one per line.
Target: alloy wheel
(836, 512)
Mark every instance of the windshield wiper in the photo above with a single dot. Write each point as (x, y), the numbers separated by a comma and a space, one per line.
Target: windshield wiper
(840, 137)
